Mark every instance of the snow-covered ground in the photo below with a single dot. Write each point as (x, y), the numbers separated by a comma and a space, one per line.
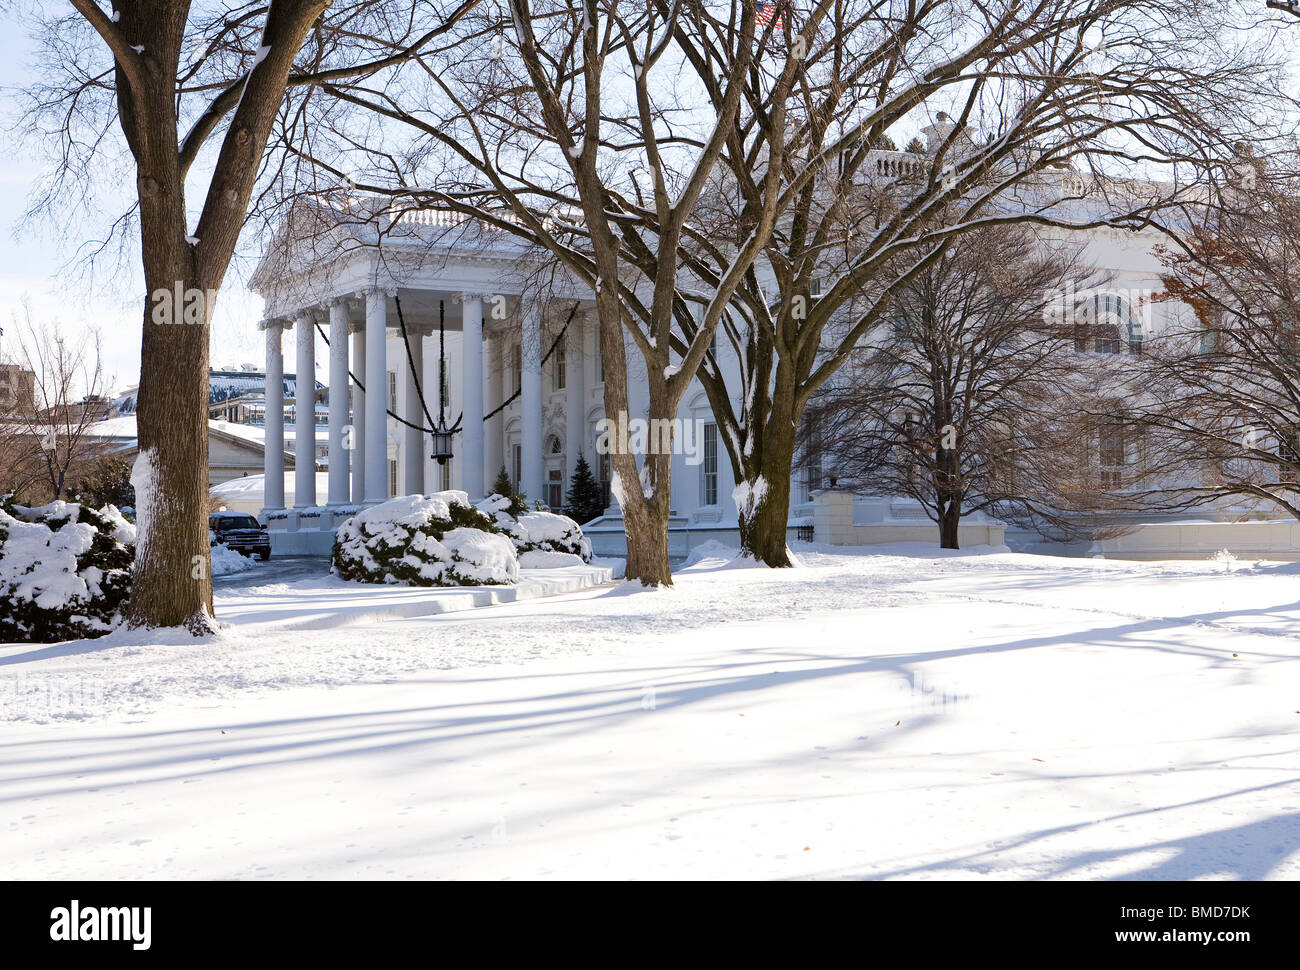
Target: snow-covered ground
(898, 713)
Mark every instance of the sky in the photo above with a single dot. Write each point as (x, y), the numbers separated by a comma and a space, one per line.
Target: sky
(39, 266)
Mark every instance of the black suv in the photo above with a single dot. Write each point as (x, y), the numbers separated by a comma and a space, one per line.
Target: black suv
(241, 533)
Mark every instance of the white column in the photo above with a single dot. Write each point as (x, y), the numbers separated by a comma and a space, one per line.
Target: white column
(530, 389)
(304, 421)
(412, 438)
(495, 431)
(377, 387)
(338, 466)
(273, 450)
(358, 451)
(575, 398)
(471, 382)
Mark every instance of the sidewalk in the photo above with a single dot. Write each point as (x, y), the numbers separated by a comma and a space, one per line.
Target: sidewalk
(324, 602)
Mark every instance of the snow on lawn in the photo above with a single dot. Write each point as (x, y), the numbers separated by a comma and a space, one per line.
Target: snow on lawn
(897, 713)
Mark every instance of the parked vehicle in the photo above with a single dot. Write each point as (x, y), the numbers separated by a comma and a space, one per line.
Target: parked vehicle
(240, 532)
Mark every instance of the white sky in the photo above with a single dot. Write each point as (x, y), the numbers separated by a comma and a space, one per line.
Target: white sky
(38, 264)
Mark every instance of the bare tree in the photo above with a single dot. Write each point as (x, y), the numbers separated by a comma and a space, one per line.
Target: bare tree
(970, 398)
(1079, 114)
(592, 131)
(1220, 394)
(195, 92)
(47, 446)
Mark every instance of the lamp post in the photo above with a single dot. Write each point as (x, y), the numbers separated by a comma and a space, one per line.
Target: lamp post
(441, 434)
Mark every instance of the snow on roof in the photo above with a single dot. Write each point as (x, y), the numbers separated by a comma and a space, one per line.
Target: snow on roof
(257, 432)
(120, 427)
(123, 429)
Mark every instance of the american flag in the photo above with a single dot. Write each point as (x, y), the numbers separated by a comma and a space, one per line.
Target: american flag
(768, 13)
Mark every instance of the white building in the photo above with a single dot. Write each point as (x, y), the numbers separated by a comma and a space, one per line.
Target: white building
(525, 380)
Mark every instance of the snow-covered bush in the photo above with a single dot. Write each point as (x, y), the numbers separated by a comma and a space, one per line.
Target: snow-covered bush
(417, 540)
(536, 531)
(65, 571)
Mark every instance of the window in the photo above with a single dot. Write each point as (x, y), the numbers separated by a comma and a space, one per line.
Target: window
(911, 426)
(1210, 334)
(392, 390)
(517, 366)
(1112, 448)
(709, 468)
(1107, 340)
(555, 488)
(1288, 449)
(392, 477)
(1114, 326)
(518, 465)
(557, 368)
(605, 476)
(810, 469)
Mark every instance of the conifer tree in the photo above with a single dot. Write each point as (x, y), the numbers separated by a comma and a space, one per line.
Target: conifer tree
(585, 499)
(502, 485)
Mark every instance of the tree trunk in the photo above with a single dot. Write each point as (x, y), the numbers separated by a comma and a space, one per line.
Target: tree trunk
(947, 482)
(764, 512)
(645, 524)
(172, 583)
(645, 518)
(949, 521)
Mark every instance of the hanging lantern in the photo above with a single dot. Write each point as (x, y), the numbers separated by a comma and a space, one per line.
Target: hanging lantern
(441, 436)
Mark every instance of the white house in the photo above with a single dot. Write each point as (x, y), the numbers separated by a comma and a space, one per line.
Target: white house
(524, 377)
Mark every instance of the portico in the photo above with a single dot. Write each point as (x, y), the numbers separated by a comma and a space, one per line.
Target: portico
(478, 346)
(515, 336)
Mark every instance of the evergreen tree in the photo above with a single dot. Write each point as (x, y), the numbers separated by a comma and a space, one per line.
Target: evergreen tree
(915, 147)
(585, 500)
(502, 485)
(518, 503)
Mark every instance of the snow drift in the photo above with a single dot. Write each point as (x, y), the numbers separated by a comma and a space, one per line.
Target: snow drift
(226, 561)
